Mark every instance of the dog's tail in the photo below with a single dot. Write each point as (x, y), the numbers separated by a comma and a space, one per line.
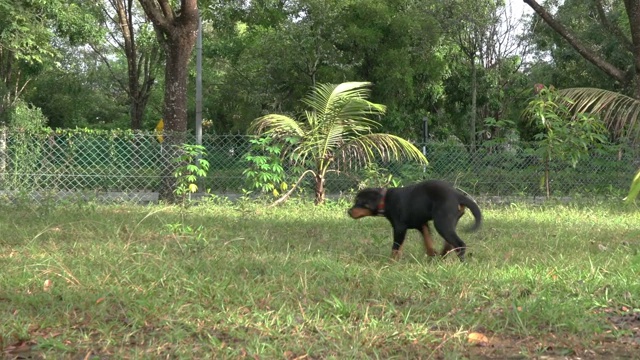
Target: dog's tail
(468, 202)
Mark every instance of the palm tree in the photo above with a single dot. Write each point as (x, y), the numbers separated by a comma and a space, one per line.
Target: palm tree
(335, 132)
(620, 113)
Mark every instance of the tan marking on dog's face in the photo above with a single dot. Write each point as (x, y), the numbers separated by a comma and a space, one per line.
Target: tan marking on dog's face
(357, 213)
(428, 241)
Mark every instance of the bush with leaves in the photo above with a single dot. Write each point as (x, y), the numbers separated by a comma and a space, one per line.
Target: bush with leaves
(191, 165)
(265, 172)
(20, 155)
(565, 135)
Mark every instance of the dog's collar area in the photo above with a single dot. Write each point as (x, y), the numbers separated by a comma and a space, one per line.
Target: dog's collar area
(380, 210)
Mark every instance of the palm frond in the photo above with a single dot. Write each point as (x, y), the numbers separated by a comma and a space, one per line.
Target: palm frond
(620, 113)
(369, 147)
(634, 190)
(277, 126)
(343, 101)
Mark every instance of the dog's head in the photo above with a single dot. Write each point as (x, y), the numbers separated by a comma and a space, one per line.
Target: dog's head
(367, 203)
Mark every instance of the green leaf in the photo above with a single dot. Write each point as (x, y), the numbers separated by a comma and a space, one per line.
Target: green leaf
(634, 190)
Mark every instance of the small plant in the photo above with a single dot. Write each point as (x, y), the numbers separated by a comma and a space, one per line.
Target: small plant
(191, 165)
(265, 172)
(565, 135)
(187, 237)
(375, 176)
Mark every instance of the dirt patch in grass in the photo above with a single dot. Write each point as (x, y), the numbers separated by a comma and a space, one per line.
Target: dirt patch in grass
(552, 347)
(621, 341)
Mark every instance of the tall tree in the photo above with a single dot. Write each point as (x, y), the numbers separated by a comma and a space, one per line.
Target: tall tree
(142, 53)
(27, 33)
(282, 47)
(470, 32)
(490, 49)
(627, 31)
(177, 30)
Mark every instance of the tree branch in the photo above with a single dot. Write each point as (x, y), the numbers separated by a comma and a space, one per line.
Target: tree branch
(602, 17)
(286, 196)
(633, 12)
(587, 53)
(157, 13)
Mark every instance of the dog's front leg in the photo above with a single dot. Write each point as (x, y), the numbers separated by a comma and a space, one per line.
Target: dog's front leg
(399, 234)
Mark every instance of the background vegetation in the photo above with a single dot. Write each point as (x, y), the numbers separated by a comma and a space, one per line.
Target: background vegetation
(466, 71)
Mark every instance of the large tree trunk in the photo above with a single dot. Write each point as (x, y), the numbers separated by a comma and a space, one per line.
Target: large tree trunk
(176, 75)
(175, 111)
(633, 12)
(474, 102)
(177, 31)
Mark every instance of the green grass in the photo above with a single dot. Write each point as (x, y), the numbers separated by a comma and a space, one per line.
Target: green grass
(234, 281)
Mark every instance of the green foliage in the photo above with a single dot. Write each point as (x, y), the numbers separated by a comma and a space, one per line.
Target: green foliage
(26, 118)
(30, 34)
(376, 176)
(265, 172)
(314, 42)
(562, 65)
(20, 156)
(634, 190)
(565, 135)
(190, 165)
(335, 132)
(80, 94)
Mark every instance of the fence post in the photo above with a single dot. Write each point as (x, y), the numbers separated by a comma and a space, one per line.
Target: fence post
(425, 136)
(3, 151)
(200, 181)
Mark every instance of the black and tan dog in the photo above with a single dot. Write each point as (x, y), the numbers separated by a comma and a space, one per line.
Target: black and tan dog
(412, 207)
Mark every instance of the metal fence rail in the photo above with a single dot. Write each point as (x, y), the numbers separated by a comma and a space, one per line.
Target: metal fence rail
(132, 164)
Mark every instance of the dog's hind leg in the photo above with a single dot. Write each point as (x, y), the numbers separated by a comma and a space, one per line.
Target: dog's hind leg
(446, 227)
(446, 249)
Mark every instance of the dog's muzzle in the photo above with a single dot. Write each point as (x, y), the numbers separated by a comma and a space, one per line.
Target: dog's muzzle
(357, 213)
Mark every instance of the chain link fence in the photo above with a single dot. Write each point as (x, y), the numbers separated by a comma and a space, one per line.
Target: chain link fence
(130, 166)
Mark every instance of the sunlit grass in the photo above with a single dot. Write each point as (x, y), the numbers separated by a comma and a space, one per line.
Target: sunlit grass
(234, 280)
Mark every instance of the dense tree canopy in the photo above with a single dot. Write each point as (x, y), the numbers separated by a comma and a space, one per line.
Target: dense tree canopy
(469, 72)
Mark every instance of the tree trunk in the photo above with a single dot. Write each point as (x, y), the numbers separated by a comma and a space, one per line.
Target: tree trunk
(633, 12)
(139, 93)
(474, 102)
(319, 189)
(137, 112)
(547, 184)
(177, 31)
(141, 65)
(3, 151)
(176, 75)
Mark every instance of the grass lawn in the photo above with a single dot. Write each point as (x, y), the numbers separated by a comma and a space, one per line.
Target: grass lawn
(240, 280)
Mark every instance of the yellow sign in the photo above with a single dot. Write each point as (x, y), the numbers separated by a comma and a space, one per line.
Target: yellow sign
(159, 130)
